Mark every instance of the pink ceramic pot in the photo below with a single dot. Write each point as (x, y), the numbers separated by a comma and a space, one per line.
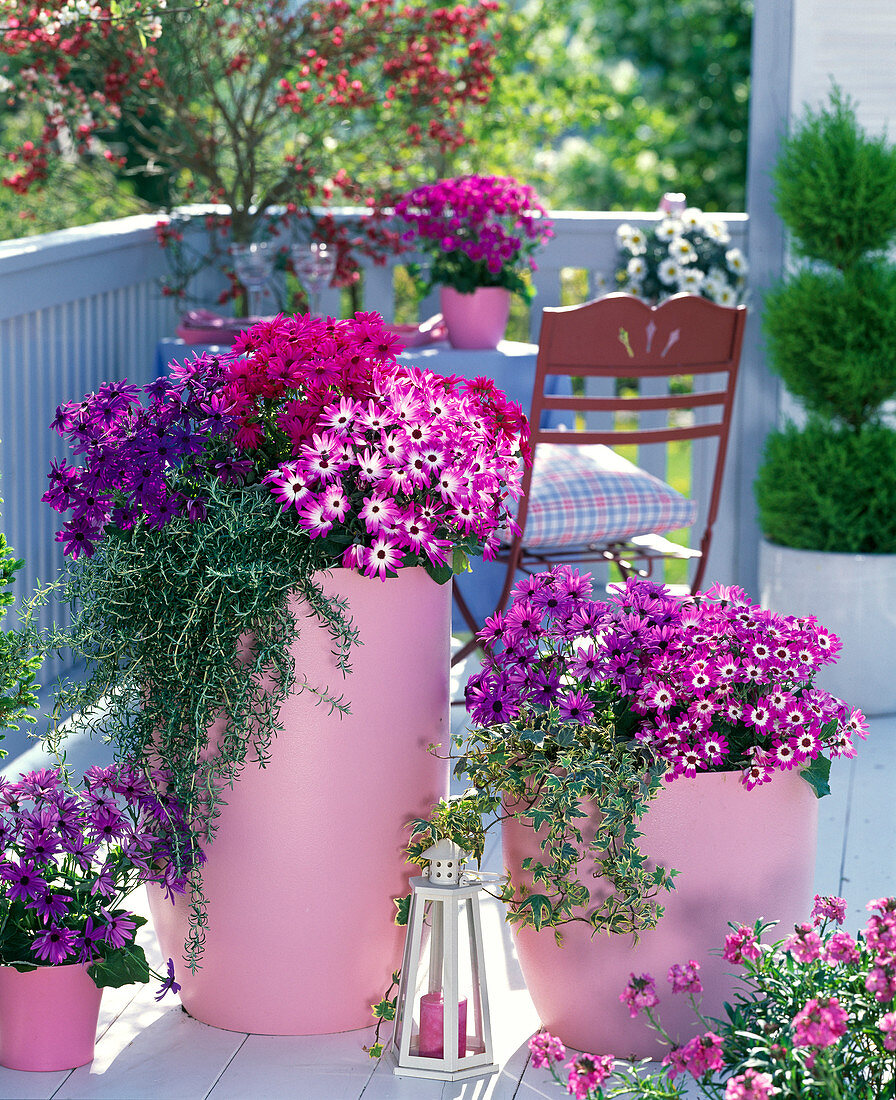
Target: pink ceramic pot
(301, 875)
(48, 1017)
(742, 855)
(477, 320)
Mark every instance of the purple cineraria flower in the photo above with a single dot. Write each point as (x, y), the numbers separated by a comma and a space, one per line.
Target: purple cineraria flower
(25, 881)
(119, 928)
(575, 706)
(169, 984)
(54, 944)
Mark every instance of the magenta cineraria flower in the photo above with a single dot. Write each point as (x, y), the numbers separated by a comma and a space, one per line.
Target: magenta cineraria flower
(805, 944)
(588, 1072)
(366, 449)
(819, 1023)
(711, 681)
(545, 1049)
(828, 908)
(702, 1055)
(741, 945)
(481, 230)
(640, 993)
(685, 978)
(749, 1085)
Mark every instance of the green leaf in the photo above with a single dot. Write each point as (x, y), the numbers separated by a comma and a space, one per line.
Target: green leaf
(539, 908)
(384, 1009)
(460, 563)
(817, 775)
(403, 907)
(375, 1050)
(121, 966)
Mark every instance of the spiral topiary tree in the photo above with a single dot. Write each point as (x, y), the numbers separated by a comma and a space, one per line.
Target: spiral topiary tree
(830, 483)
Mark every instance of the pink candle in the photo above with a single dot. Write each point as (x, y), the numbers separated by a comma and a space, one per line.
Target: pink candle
(432, 1009)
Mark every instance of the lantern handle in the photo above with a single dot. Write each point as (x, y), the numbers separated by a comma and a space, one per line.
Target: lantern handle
(483, 878)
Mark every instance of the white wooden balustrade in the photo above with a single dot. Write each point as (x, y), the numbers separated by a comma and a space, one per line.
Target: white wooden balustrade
(83, 306)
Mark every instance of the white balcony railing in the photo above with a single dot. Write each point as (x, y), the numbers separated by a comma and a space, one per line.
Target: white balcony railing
(82, 306)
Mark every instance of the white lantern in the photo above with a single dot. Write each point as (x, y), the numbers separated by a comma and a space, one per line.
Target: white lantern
(442, 1025)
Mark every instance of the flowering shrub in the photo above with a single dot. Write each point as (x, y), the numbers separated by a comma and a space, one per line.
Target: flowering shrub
(70, 858)
(709, 682)
(381, 465)
(288, 99)
(687, 253)
(18, 663)
(480, 231)
(815, 1017)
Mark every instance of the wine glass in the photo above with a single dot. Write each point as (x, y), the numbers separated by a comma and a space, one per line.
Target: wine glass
(314, 265)
(253, 266)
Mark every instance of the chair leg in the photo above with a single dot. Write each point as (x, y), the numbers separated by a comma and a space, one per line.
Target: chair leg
(470, 620)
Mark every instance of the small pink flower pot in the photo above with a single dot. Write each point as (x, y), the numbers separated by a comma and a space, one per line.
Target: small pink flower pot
(477, 320)
(742, 855)
(309, 852)
(48, 1017)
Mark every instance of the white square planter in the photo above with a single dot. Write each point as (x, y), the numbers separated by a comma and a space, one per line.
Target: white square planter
(855, 596)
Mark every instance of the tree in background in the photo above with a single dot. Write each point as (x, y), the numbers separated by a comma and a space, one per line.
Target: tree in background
(605, 104)
(251, 104)
(18, 663)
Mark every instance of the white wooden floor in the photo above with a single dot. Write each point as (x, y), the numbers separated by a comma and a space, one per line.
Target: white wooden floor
(155, 1051)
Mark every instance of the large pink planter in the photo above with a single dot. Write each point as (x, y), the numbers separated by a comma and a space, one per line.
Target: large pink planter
(48, 1017)
(477, 320)
(301, 875)
(742, 855)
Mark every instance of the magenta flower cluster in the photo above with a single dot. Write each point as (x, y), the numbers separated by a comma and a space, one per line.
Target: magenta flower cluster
(70, 858)
(384, 464)
(586, 1073)
(706, 682)
(486, 224)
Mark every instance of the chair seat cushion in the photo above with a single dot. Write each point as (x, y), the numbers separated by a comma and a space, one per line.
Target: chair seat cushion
(587, 494)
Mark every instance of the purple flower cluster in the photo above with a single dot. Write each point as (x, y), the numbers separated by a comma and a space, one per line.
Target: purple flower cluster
(387, 465)
(707, 682)
(133, 454)
(491, 220)
(70, 857)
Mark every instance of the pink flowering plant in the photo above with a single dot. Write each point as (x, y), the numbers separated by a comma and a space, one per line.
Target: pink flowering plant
(601, 702)
(814, 1016)
(477, 230)
(202, 503)
(69, 858)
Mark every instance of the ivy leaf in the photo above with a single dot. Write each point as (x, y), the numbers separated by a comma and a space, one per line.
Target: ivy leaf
(375, 1050)
(540, 908)
(403, 907)
(384, 1009)
(817, 775)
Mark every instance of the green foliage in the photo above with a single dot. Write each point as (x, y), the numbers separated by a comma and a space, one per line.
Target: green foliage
(545, 778)
(828, 488)
(604, 106)
(830, 338)
(189, 626)
(834, 186)
(830, 331)
(18, 661)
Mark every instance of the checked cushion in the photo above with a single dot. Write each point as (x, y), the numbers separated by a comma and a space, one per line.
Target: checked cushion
(587, 494)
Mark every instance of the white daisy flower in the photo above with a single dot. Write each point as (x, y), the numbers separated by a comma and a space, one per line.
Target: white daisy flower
(736, 261)
(668, 229)
(717, 231)
(692, 218)
(726, 296)
(668, 272)
(623, 232)
(691, 279)
(636, 267)
(682, 250)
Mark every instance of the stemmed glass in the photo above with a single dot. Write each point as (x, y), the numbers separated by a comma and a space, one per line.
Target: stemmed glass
(253, 266)
(314, 266)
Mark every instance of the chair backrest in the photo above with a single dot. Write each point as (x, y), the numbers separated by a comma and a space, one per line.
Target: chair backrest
(619, 337)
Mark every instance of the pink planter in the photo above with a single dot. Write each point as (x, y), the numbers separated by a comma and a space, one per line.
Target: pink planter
(48, 1017)
(302, 873)
(742, 855)
(477, 320)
